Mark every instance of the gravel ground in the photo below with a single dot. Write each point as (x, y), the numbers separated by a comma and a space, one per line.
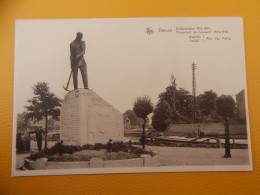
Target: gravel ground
(181, 156)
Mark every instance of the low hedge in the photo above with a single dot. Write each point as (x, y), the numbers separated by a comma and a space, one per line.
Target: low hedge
(116, 146)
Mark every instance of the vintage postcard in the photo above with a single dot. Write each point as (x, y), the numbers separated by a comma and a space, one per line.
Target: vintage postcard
(129, 95)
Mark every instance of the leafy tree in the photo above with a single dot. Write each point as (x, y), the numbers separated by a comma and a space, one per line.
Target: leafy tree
(184, 104)
(179, 100)
(206, 102)
(215, 117)
(134, 120)
(42, 105)
(226, 107)
(142, 108)
(162, 115)
(169, 95)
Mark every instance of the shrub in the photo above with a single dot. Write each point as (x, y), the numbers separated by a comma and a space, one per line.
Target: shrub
(116, 146)
(37, 155)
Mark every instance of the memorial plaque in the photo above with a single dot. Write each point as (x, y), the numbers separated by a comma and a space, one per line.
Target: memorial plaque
(88, 119)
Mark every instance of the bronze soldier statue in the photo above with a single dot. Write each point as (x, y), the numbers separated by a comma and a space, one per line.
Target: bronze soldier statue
(77, 51)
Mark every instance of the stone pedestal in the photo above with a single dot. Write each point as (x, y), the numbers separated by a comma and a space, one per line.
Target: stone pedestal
(88, 119)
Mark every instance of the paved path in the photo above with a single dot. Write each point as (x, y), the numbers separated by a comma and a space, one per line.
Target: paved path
(177, 156)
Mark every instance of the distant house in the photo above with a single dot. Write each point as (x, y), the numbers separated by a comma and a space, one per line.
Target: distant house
(53, 125)
(22, 125)
(127, 122)
(240, 101)
(33, 123)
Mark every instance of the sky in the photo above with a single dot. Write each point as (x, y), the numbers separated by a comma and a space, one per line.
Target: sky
(124, 62)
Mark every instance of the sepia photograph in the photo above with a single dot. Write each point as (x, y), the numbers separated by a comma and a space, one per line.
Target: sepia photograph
(130, 95)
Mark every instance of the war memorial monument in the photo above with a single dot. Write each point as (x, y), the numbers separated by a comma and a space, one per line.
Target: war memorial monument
(86, 118)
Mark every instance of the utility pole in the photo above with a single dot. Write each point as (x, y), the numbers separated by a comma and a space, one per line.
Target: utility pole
(193, 67)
